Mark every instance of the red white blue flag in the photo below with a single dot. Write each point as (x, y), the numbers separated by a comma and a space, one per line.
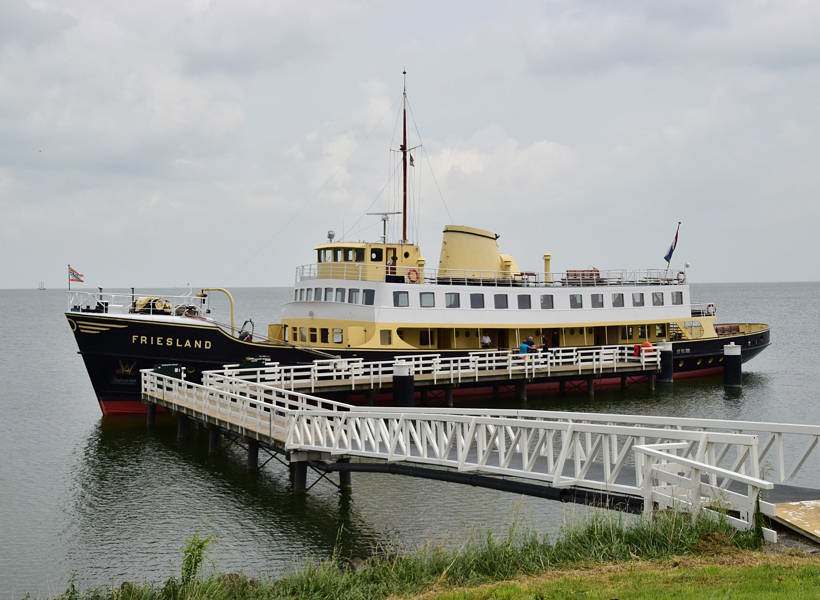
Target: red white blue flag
(75, 276)
(668, 256)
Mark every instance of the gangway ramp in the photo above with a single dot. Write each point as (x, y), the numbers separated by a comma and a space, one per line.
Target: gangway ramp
(725, 467)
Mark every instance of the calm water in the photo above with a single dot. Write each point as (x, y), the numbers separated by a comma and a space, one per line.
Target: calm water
(110, 500)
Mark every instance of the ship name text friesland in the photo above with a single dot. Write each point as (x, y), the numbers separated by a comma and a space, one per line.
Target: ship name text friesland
(174, 342)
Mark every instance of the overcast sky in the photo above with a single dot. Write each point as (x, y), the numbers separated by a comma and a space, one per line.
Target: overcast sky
(158, 143)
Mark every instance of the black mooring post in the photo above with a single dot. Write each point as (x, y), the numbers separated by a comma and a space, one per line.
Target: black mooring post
(732, 371)
(298, 475)
(151, 415)
(667, 373)
(403, 387)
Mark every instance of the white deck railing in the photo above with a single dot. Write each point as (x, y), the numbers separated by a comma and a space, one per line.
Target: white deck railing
(458, 369)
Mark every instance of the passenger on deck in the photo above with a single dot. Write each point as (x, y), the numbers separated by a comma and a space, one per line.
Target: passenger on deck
(485, 341)
(528, 346)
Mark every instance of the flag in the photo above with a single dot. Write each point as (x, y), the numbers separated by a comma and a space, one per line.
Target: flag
(75, 276)
(412, 164)
(668, 256)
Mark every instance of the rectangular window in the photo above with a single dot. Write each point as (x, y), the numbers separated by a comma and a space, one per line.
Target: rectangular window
(617, 300)
(324, 335)
(337, 335)
(385, 337)
(452, 300)
(369, 297)
(677, 297)
(376, 254)
(626, 332)
(401, 299)
(295, 335)
(328, 294)
(476, 300)
(524, 301)
(303, 334)
(353, 297)
(501, 301)
(576, 301)
(427, 299)
(296, 295)
(660, 330)
(597, 300)
(424, 337)
(313, 337)
(657, 298)
(309, 295)
(301, 294)
(340, 294)
(637, 299)
(643, 332)
(317, 294)
(547, 301)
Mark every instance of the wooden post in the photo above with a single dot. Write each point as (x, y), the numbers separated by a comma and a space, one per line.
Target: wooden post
(151, 415)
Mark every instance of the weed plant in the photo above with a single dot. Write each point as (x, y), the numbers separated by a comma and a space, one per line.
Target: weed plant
(602, 538)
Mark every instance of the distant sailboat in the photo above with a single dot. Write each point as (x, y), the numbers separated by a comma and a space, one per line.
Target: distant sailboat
(42, 285)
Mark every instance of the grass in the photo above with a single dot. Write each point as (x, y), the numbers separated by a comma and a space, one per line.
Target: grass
(598, 558)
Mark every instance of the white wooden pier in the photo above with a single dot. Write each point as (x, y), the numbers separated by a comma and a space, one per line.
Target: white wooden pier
(729, 468)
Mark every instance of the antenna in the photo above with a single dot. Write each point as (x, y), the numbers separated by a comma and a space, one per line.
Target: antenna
(385, 218)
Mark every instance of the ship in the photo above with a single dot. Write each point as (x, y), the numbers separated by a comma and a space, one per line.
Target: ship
(380, 300)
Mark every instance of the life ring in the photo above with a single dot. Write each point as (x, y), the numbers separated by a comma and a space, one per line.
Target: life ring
(413, 276)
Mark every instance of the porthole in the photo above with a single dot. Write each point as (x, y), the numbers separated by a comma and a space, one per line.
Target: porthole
(680, 364)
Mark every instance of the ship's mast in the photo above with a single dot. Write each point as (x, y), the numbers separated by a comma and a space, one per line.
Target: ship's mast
(404, 160)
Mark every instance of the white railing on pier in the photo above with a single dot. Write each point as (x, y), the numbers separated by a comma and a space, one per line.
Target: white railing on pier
(441, 370)
(692, 464)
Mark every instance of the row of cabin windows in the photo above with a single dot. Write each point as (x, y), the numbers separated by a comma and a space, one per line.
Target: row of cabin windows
(327, 255)
(329, 294)
(401, 299)
(628, 331)
(316, 334)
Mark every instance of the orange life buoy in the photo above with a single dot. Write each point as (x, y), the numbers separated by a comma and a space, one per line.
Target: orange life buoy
(413, 275)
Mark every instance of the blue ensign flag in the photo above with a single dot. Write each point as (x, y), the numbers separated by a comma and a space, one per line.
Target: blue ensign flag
(668, 256)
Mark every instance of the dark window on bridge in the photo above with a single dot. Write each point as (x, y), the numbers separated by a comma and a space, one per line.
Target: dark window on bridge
(576, 301)
(476, 300)
(324, 335)
(547, 301)
(524, 301)
(617, 300)
(637, 299)
(353, 297)
(401, 299)
(501, 301)
(328, 294)
(452, 300)
(657, 298)
(597, 300)
(340, 294)
(427, 299)
(369, 297)
(660, 330)
(677, 297)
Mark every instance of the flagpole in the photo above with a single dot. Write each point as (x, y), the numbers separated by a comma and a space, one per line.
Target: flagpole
(69, 277)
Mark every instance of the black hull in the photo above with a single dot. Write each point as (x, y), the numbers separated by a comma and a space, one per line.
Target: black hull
(114, 351)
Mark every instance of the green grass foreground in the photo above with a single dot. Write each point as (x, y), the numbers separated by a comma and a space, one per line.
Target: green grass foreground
(599, 558)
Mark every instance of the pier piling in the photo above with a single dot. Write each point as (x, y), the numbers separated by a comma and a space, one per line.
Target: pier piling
(151, 415)
(213, 440)
(253, 454)
(182, 426)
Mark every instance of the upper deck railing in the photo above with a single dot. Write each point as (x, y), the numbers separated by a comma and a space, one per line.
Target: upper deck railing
(363, 271)
(146, 303)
